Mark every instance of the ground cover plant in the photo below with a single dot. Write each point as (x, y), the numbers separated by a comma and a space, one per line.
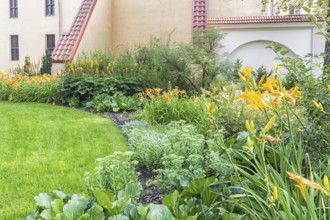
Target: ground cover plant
(46, 147)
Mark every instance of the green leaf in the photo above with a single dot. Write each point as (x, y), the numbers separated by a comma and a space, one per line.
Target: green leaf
(171, 200)
(198, 185)
(96, 212)
(105, 199)
(57, 206)
(159, 212)
(75, 207)
(143, 211)
(132, 190)
(85, 216)
(131, 211)
(119, 217)
(44, 200)
(47, 214)
(209, 197)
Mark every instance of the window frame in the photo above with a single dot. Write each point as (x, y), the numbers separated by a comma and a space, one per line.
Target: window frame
(14, 47)
(50, 7)
(50, 42)
(13, 8)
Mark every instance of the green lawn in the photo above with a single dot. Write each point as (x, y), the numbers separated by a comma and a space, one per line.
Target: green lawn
(45, 147)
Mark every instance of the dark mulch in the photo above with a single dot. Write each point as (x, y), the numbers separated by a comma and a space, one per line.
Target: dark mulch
(151, 193)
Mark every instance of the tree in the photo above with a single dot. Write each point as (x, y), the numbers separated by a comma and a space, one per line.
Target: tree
(46, 66)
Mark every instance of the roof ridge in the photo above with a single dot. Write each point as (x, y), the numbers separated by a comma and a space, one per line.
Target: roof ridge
(260, 19)
(69, 41)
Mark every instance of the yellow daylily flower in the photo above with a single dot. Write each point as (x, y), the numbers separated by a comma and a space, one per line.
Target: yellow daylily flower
(270, 85)
(303, 181)
(272, 139)
(329, 88)
(210, 107)
(246, 72)
(257, 101)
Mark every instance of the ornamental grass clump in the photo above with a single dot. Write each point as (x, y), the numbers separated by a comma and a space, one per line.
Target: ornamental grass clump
(22, 88)
(164, 107)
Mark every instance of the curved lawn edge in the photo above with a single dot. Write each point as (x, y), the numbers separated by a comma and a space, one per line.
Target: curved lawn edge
(45, 147)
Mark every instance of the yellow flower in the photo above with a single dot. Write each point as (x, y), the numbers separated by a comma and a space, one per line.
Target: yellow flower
(167, 97)
(270, 84)
(262, 79)
(246, 72)
(210, 108)
(305, 182)
(257, 101)
(272, 139)
(294, 91)
(329, 88)
(245, 95)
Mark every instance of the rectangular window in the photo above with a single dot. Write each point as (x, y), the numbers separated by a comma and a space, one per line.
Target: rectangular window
(50, 42)
(13, 9)
(50, 7)
(14, 47)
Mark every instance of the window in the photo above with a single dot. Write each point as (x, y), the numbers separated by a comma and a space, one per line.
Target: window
(14, 47)
(50, 7)
(13, 9)
(50, 42)
(294, 10)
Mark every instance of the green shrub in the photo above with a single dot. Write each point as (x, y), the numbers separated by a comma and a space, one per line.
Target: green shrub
(99, 92)
(46, 63)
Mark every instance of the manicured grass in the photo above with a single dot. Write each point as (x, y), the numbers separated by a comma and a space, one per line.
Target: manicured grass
(45, 147)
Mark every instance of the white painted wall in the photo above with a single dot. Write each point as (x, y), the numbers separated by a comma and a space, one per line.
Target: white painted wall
(248, 42)
(32, 25)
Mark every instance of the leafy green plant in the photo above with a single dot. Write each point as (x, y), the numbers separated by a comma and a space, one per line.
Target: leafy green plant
(175, 106)
(58, 205)
(78, 90)
(113, 172)
(116, 102)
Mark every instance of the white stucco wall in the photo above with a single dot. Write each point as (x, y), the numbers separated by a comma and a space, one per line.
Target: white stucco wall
(32, 26)
(248, 42)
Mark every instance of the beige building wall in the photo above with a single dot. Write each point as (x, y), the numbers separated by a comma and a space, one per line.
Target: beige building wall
(136, 21)
(98, 33)
(32, 25)
(233, 8)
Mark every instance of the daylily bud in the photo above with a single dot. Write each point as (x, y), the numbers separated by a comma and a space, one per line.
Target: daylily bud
(326, 183)
(275, 67)
(249, 142)
(318, 105)
(275, 194)
(269, 125)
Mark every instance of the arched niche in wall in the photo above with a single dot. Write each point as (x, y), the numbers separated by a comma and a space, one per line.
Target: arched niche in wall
(255, 54)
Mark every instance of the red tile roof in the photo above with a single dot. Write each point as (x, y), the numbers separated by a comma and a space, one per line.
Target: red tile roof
(199, 14)
(259, 19)
(68, 44)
